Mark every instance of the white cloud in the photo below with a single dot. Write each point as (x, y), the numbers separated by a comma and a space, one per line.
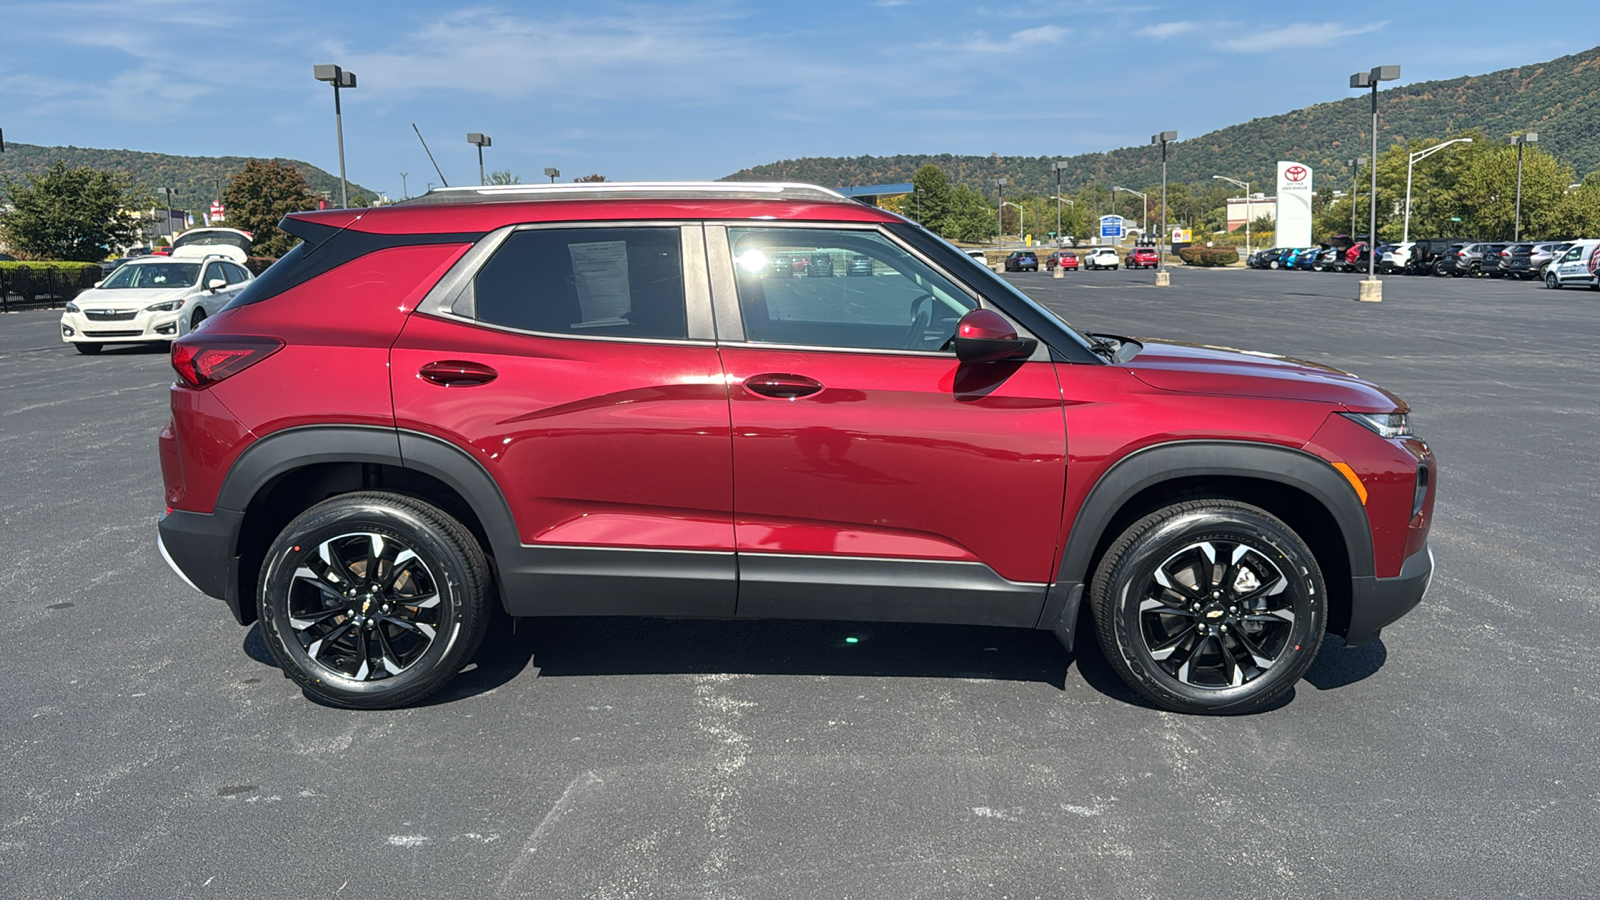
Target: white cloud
(1296, 36)
(1163, 30)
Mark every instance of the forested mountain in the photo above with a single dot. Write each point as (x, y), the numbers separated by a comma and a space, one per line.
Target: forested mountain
(197, 180)
(1559, 99)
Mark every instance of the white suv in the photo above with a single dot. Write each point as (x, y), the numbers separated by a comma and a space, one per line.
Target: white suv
(153, 299)
(1102, 258)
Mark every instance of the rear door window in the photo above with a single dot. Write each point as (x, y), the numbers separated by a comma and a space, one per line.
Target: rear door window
(590, 282)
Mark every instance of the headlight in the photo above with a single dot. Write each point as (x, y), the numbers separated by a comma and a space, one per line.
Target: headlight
(71, 307)
(1389, 425)
(167, 306)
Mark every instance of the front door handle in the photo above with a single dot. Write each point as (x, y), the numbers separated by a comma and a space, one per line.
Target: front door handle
(782, 386)
(457, 373)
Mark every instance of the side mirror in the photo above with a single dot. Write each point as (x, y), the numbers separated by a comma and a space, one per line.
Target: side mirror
(984, 335)
(216, 284)
(98, 283)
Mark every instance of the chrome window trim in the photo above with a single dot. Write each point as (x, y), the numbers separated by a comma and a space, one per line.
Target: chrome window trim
(730, 317)
(458, 283)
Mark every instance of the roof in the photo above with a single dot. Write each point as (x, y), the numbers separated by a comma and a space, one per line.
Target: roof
(480, 209)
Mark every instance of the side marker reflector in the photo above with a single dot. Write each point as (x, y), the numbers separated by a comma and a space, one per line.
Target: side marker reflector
(1355, 480)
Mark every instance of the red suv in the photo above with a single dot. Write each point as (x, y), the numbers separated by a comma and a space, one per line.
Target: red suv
(1141, 257)
(616, 400)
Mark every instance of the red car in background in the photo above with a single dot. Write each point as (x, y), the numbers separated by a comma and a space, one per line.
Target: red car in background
(606, 399)
(1142, 257)
(1066, 259)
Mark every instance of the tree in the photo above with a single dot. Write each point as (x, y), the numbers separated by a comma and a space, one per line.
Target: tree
(929, 202)
(259, 196)
(970, 217)
(1487, 191)
(75, 215)
(589, 178)
(504, 176)
(1578, 212)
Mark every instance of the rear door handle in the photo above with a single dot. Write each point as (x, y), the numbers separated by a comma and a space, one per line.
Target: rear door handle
(457, 373)
(782, 386)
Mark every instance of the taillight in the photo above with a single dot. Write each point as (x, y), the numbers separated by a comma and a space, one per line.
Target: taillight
(202, 360)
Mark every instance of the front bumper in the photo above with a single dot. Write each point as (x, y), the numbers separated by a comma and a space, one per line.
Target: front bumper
(77, 327)
(200, 547)
(1377, 602)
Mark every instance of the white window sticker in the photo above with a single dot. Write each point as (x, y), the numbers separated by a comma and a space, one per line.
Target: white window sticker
(600, 273)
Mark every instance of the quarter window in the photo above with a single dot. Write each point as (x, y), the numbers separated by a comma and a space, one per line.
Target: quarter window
(847, 289)
(615, 282)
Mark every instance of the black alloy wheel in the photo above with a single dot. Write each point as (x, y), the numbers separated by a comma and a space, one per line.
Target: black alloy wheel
(1209, 606)
(373, 600)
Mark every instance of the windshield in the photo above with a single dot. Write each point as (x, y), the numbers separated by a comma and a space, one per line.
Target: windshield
(153, 276)
(212, 239)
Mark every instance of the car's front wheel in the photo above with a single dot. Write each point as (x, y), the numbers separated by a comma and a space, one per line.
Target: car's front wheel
(199, 316)
(1550, 281)
(1209, 606)
(373, 600)
(87, 349)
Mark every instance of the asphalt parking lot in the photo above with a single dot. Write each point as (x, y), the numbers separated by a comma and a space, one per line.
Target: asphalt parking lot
(151, 749)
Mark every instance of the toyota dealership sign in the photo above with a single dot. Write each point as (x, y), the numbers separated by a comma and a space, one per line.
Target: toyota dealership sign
(1294, 205)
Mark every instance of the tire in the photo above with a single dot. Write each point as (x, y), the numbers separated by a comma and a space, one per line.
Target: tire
(1148, 611)
(199, 316)
(379, 651)
(1550, 281)
(1439, 271)
(1272, 265)
(87, 349)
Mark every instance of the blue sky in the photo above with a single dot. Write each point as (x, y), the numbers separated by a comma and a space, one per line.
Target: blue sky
(701, 88)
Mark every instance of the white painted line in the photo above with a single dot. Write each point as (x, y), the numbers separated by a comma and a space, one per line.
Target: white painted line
(584, 784)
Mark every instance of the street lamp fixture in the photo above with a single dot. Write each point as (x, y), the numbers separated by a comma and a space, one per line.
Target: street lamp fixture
(1161, 246)
(1057, 166)
(1405, 234)
(1248, 208)
(553, 174)
(1144, 223)
(1527, 137)
(999, 214)
(1354, 165)
(480, 141)
(339, 78)
(1371, 287)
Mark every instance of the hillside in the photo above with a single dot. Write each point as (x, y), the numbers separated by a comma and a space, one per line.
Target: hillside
(197, 179)
(1559, 99)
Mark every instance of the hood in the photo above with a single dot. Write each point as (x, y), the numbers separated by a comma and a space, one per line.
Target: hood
(1197, 369)
(127, 298)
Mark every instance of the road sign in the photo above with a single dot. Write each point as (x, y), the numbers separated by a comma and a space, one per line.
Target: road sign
(1111, 227)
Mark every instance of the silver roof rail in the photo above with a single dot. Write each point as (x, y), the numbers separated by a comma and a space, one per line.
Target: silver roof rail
(628, 190)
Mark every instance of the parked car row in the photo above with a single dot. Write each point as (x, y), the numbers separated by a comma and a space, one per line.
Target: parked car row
(1556, 263)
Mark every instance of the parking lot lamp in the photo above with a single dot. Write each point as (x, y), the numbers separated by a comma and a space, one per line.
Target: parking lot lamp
(1068, 201)
(1530, 137)
(1405, 234)
(1247, 209)
(1161, 250)
(553, 173)
(1371, 287)
(480, 141)
(1000, 214)
(339, 78)
(1355, 171)
(1144, 223)
(1058, 165)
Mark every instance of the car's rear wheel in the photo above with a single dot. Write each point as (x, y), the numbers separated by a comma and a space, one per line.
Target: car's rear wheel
(373, 600)
(87, 349)
(1209, 606)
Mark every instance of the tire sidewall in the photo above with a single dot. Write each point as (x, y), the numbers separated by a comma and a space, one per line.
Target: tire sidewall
(459, 612)
(1233, 522)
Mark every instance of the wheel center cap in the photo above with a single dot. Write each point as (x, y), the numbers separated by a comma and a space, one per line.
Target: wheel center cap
(1215, 612)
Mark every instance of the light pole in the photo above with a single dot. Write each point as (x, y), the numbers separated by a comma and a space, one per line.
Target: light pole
(1058, 165)
(1247, 210)
(403, 185)
(1068, 201)
(166, 194)
(1000, 214)
(1161, 245)
(1355, 170)
(1371, 287)
(1144, 223)
(339, 78)
(480, 141)
(553, 173)
(1405, 234)
(1529, 137)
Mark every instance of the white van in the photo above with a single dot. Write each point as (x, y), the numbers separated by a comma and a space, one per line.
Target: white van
(1576, 267)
